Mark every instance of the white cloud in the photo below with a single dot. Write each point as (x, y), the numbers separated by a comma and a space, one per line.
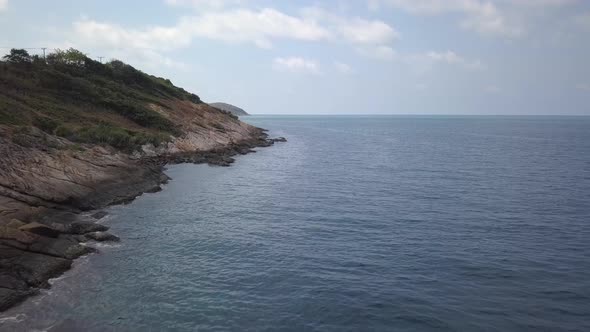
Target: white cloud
(480, 16)
(422, 63)
(372, 38)
(258, 27)
(378, 52)
(204, 4)
(508, 18)
(238, 26)
(113, 36)
(451, 58)
(261, 28)
(362, 31)
(3, 4)
(342, 67)
(151, 44)
(296, 65)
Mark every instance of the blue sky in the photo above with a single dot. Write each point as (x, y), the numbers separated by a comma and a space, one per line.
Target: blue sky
(335, 57)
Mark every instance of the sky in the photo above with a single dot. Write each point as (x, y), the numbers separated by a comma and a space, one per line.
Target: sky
(334, 56)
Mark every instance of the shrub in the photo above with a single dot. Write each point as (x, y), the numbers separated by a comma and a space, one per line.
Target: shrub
(48, 125)
(120, 138)
(64, 131)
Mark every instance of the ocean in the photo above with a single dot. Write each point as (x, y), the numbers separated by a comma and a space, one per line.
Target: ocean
(357, 223)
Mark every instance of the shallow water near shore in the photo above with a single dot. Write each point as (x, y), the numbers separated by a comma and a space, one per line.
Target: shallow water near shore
(406, 223)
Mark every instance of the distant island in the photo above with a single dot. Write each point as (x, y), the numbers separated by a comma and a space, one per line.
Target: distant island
(78, 135)
(229, 108)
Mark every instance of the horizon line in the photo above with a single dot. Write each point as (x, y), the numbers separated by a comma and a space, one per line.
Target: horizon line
(421, 114)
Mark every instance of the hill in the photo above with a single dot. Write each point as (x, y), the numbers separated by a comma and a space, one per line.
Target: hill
(78, 135)
(229, 108)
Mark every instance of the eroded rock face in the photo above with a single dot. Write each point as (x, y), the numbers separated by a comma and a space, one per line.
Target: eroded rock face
(14, 223)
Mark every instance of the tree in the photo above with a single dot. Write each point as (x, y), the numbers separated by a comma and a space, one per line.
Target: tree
(75, 57)
(18, 56)
(68, 57)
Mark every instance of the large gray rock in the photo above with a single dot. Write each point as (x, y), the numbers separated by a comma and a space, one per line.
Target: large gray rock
(40, 229)
(71, 223)
(61, 247)
(86, 227)
(32, 268)
(67, 248)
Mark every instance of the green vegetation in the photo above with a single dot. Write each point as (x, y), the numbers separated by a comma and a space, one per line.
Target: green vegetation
(70, 95)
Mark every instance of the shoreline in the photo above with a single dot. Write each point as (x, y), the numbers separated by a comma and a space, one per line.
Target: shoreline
(32, 253)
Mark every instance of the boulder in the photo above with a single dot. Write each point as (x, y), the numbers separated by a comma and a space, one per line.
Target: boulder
(100, 215)
(62, 247)
(68, 248)
(40, 229)
(82, 227)
(15, 235)
(102, 236)
(67, 222)
(32, 268)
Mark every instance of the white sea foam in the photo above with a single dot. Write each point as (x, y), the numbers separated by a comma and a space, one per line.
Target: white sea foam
(106, 245)
(13, 319)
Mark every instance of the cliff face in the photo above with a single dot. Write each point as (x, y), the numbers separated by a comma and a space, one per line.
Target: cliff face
(43, 170)
(80, 136)
(46, 170)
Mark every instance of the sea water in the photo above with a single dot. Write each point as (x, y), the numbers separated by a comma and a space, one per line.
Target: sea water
(357, 223)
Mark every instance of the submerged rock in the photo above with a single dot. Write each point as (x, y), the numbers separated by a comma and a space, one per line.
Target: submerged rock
(102, 237)
(99, 215)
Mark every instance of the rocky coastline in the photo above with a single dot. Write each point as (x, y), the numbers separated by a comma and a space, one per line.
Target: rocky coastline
(42, 232)
(77, 135)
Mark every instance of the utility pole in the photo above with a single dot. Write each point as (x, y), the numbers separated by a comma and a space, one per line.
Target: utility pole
(44, 48)
(100, 58)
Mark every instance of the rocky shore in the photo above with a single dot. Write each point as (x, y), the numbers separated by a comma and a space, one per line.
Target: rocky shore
(48, 191)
